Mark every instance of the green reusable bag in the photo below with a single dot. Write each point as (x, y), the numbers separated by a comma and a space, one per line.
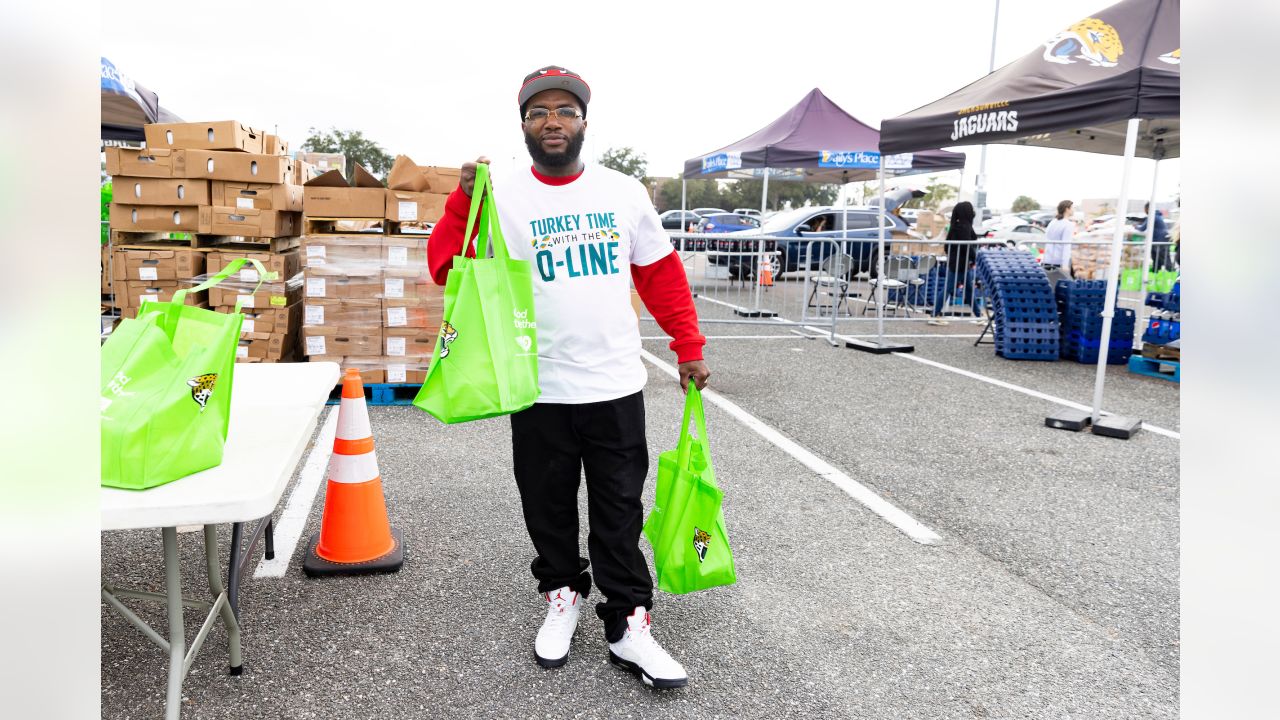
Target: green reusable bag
(486, 358)
(1162, 281)
(166, 389)
(686, 527)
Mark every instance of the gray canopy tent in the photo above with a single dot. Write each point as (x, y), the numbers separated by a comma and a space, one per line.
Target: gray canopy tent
(1109, 83)
(815, 141)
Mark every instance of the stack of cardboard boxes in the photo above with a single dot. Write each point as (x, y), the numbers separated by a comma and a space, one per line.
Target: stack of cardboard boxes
(272, 308)
(369, 302)
(155, 274)
(1091, 262)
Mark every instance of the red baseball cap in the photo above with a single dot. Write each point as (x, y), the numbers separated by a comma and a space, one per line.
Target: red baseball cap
(554, 77)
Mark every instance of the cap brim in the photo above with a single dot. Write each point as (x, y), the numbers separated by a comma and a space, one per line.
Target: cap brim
(555, 82)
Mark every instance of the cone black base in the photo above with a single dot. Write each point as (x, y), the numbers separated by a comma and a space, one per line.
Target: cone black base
(315, 566)
(876, 348)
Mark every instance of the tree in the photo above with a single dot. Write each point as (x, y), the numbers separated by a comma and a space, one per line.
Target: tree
(936, 193)
(1022, 203)
(354, 145)
(698, 193)
(626, 161)
(746, 194)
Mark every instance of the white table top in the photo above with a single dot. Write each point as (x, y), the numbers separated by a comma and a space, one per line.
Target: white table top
(274, 410)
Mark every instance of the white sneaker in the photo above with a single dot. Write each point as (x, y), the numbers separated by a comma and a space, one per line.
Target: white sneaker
(638, 652)
(551, 649)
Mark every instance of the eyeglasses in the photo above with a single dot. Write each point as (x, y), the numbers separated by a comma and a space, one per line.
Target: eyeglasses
(539, 115)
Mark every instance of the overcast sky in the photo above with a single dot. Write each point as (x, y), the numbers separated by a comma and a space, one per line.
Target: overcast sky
(438, 81)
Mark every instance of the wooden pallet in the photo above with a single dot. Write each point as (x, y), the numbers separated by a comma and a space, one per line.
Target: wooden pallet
(395, 228)
(343, 226)
(382, 393)
(1155, 368)
(235, 243)
(1161, 352)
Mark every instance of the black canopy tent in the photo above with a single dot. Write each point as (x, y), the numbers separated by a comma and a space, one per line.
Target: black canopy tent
(1109, 83)
(127, 106)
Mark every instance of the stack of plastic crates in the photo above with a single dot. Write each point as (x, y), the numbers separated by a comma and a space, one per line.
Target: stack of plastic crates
(1165, 324)
(1026, 313)
(1080, 305)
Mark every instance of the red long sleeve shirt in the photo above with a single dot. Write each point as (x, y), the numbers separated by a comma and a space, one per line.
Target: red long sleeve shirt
(662, 285)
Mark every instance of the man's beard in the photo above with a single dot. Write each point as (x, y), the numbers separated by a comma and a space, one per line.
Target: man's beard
(561, 159)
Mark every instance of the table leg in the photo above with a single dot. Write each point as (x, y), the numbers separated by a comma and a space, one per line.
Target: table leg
(233, 568)
(177, 631)
(271, 540)
(215, 588)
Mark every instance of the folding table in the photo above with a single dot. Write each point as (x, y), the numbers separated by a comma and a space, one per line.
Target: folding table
(274, 410)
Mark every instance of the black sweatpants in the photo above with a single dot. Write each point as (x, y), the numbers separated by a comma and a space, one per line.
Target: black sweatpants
(552, 444)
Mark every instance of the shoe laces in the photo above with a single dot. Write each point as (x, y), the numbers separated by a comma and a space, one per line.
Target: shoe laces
(558, 604)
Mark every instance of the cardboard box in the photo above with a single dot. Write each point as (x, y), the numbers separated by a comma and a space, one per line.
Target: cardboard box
(274, 145)
(324, 162)
(272, 347)
(159, 264)
(161, 218)
(410, 342)
(260, 322)
(139, 162)
(255, 223)
(285, 264)
(345, 312)
(405, 206)
(394, 369)
(105, 261)
(404, 252)
(219, 135)
(410, 282)
(304, 172)
(131, 293)
(160, 191)
(270, 295)
(930, 224)
(406, 175)
(368, 367)
(223, 165)
(442, 180)
(256, 196)
(341, 340)
(422, 314)
(343, 286)
(330, 196)
(132, 312)
(342, 253)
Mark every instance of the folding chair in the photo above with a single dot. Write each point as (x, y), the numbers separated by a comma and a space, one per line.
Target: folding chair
(833, 282)
(895, 288)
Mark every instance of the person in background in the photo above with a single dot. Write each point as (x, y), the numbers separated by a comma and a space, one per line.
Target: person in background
(590, 417)
(959, 257)
(1057, 251)
(1159, 240)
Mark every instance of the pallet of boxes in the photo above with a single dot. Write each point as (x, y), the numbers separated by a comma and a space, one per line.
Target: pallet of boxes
(196, 197)
(1093, 261)
(369, 302)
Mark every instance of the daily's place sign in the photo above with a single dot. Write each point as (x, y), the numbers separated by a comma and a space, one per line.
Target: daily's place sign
(721, 161)
(862, 159)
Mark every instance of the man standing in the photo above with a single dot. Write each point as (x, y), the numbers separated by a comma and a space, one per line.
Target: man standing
(1159, 240)
(589, 232)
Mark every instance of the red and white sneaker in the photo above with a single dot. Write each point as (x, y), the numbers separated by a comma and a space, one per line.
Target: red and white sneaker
(551, 648)
(641, 654)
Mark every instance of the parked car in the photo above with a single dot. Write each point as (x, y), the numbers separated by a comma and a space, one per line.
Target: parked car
(726, 222)
(909, 215)
(1015, 235)
(795, 229)
(709, 211)
(747, 211)
(678, 220)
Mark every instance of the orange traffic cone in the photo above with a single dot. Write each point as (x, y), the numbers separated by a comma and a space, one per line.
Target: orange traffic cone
(355, 537)
(766, 271)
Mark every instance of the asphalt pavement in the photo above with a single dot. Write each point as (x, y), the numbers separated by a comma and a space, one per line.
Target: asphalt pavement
(1053, 592)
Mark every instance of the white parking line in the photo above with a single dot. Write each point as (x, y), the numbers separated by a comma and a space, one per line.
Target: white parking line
(289, 526)
(913, 528)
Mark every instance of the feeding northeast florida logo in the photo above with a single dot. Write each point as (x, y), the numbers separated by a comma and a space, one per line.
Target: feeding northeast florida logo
(574, 246)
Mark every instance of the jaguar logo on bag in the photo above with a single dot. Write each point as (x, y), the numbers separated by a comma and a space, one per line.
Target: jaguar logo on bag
(701, 540)
(447, 335)
(202, 388)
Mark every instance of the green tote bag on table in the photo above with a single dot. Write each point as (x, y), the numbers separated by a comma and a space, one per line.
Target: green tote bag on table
(486, 358)
(686, 527)
(166, 389)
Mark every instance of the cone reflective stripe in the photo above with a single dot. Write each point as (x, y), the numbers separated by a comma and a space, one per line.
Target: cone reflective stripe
(355, 536)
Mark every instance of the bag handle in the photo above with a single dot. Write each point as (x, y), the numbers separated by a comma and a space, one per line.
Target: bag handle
(693, 411)
(175, 305)
(488, 220)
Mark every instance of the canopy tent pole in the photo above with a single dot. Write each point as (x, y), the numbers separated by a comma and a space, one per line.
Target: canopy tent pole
(764, 195)
(684, 192)
(1146, 246)
(880, 258)
(1113, 275)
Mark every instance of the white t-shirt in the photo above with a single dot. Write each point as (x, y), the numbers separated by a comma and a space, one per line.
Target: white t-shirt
(582, 239)
(1057, 251)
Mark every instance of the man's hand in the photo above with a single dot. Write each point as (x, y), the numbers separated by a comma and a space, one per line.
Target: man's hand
(467, 180)
(697, 370)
